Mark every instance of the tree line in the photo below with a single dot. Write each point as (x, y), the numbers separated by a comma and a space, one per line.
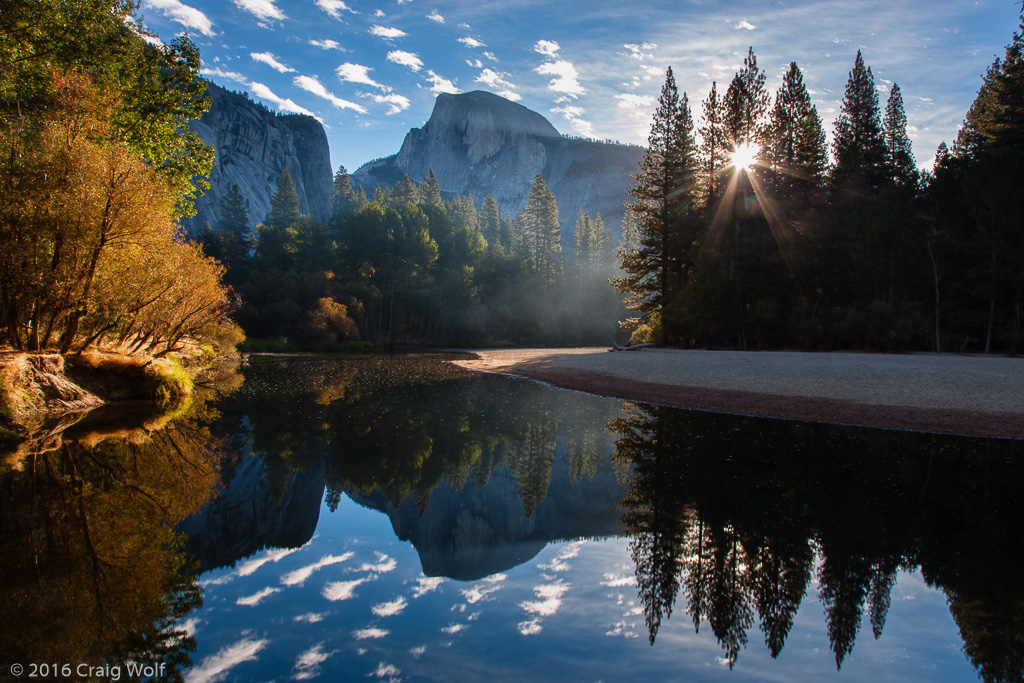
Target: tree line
(744, 231)
(407, 265)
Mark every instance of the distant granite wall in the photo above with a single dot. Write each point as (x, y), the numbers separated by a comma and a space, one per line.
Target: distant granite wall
(253, 147)
(481, 143)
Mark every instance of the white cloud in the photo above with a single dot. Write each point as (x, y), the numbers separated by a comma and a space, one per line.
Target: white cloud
(744, 25)
(418, 651)
(227, 75)
(642, 51)
(384, 564)
(274, 555)
(546, 47)
(342, 590)
(435, 16)
(426, 584)
(452, 629)
(529, 628)
(186, 15)
(398, 103)
(497, 81)
(298, 577)
(479, 592)
(616, 581)
(471, 42)
(385, 670)
(387, 32)
(379, 13)
(371, 633)
(334, 7)
(390, 609)
(310, 618)
(307, 666)
(489, 55)
(637, 106)
(264, 10)
(284, 104)
(439, 84)
(257, 598)
(328, 44)
(270, 60)
(574, 116)
(357, 73)
(565, 77)
(475, 63)
(406, 59)
(215, 667)
(550, 599)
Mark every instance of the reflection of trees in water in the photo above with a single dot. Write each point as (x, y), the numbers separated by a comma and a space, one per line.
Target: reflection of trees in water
(735, 511)
(401, 426)
(92, 569)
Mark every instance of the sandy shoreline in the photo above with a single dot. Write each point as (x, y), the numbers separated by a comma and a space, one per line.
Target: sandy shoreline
(931, 392)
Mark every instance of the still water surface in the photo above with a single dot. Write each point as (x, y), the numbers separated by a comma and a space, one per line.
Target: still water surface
(401, 519)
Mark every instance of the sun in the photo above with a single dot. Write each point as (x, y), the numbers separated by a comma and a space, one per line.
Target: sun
(745, 156)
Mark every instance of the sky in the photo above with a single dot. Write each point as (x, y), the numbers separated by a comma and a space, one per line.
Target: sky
(370, 70)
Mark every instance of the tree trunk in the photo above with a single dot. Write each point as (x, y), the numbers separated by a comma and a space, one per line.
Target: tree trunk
(938, 291)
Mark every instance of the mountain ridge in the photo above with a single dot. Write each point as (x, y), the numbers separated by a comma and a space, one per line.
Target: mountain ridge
(482, 143)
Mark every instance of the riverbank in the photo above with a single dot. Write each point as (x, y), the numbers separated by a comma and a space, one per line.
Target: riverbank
(959, 394)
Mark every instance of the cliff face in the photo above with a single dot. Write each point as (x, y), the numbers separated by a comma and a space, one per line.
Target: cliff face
(253, 147)
(476, 532)
(247, 516)
(482, 143)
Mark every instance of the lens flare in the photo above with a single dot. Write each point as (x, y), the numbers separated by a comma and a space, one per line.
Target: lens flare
(745, 156)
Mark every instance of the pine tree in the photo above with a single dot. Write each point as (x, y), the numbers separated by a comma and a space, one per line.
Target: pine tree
(582, 246)
(811, 150)
(664, 194)
(714, 146)
(490, 221)
(284, 205)
(899, 158)
(786, 129)
(234, 218)
(342, 199)
(746, 102)
(380, 195)
(543, 237)
(858, 143)
(430, 191)
(602, 237)
(404, 192)
(464, 213)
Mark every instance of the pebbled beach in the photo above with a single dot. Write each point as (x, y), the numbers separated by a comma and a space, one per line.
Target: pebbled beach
(959, 394)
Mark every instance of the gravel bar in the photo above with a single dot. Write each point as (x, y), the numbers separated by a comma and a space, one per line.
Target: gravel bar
(948, 393)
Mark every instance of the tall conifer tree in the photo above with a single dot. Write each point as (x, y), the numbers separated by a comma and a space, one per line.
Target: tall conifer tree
(714, 146)
(858, 143)
(541, 231)
(430, 191)
(899, 158)
(746, 103)
(284, 205)
(664, 193)
(490, 221)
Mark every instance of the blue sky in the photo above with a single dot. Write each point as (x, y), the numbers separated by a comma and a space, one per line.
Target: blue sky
(370, 70)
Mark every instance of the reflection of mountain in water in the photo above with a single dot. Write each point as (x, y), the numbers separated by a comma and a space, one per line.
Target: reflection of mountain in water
(472, 532)
(249, 515)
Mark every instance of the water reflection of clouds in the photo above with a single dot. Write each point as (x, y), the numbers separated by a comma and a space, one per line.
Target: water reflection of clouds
(299, 576)
(559, 562)
(310, 618)
(384, 564)
(343, 590)
(216, 667)
(271, 556)
(258, 597)
(426, 584)
(481, 590)
(370, 633)
(390, 609)
(307, 666)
